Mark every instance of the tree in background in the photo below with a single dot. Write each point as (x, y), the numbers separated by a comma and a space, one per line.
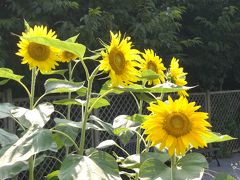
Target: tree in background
(203, 34)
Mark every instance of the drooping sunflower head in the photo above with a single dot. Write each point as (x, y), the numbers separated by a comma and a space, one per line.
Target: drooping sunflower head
(153, 62)
(38, 55)
(120, 60)
(67, 56)
(176, 125)
(177, 75)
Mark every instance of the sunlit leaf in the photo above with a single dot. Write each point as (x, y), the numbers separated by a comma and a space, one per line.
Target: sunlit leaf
(72, 47)
(149, 75)
(61, 86)
(105, 144)
(37, 116)
(123, 128)
(97, 166)
(8, 74)
(134, 161)
(35, 140)
(107, 126)
(217, 137)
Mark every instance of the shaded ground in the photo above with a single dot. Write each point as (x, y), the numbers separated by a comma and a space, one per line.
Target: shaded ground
(229, 165)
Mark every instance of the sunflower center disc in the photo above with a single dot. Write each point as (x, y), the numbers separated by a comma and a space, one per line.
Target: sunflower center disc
(152, 66)
(177, 124)
(38, 52)
(117, 61)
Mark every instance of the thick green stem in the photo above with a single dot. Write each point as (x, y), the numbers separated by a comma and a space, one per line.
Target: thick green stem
(31, 105)
(69, 94)
(173, 163)
(86, 113)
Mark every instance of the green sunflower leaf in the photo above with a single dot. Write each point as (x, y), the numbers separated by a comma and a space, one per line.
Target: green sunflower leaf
(161, 88)
(149, 75)
(61, 86)
(72, 47)
(8, 74)
(100, 102)
(34, 141)
(217, 137)
(99, 165)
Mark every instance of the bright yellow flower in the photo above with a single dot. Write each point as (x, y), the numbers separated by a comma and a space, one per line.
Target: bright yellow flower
(38, 55)
(176, 125)
(153, 62)
(67, 56)
(177, 75)
(120, 61)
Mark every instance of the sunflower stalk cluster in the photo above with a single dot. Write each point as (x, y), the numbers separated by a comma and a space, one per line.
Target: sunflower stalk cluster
(165, 136)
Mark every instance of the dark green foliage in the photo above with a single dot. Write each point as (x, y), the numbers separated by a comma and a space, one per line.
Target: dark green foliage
(203, 34)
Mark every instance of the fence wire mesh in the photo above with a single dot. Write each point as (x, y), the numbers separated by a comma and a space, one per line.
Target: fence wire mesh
(224, 109)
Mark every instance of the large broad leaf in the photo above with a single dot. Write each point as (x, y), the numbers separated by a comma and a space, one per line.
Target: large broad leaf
(5, 110)
(8, 74)
(123, 128)
(154, 169)
(97, 166)
(7, 138)
(135, 161)
(37, 116)
(15, 157)
(188, 167)
(61, 86)
(72, 47)
(217, 137)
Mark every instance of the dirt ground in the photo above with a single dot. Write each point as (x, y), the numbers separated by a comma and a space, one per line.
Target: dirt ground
(228, 165)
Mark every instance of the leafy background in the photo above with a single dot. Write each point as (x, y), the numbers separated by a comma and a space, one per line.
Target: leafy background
(203, 34)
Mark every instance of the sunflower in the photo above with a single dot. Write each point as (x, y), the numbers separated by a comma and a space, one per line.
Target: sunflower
(38, 55)
(153, 62)
(120, 60)
(67, 56)
(176, 125)
(177, 75)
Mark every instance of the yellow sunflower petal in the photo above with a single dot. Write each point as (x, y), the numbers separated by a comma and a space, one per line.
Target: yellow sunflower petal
(176, 126)
(121, 60)
(38, 55)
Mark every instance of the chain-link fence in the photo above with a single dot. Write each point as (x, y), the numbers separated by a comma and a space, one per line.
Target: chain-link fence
(223, 107)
